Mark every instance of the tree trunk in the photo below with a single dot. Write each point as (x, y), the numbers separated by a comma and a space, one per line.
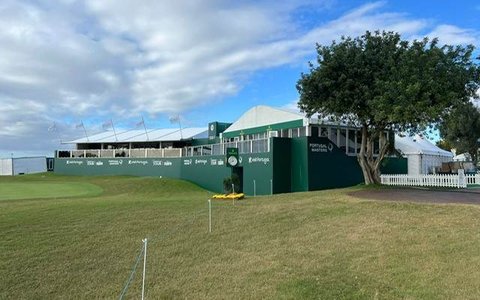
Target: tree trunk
(370, 164)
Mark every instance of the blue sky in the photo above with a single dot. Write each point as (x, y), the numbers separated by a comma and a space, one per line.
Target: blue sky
(68, 61)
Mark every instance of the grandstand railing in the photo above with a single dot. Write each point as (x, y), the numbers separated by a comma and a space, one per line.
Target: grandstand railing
(249, 146)
(110, 153)
(244, 147)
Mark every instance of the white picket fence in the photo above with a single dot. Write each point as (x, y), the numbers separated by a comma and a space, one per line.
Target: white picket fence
(473, 179)
(431, 180)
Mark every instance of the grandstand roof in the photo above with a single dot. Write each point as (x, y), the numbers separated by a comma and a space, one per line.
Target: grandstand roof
(154, 135)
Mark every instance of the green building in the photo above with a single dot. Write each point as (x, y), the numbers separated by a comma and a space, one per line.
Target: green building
(279, 151)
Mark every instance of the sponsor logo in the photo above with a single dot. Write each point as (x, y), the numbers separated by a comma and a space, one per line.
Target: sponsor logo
(99, 163)
(220, 162)
(213, 162)
(322, 148)
(240, 160)
(166, 163)
(201, 161)
(74, 162)
(138, 162)
(187, 162)
(115, 162)
(90, 163)
(258, 160)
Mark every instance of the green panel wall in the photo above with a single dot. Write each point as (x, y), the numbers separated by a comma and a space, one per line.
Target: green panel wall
(394, 165)
(281, 153)
(299, 164)
(329, 167)
(258, 167)
(206, 171)
(167, 167)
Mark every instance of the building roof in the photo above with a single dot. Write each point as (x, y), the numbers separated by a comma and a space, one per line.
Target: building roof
(418, 145)
(154, 135)
(263, 115)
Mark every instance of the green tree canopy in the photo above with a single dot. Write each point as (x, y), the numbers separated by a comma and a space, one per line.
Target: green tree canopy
(380, 82)
(461, 129)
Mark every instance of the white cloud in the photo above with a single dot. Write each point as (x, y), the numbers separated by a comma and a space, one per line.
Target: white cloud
(69, 60)
(453, 35)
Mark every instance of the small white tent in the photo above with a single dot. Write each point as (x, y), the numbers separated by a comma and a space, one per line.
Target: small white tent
(422, 155)
(22, 165)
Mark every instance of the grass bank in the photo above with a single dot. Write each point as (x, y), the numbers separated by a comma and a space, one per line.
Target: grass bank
(295, 246)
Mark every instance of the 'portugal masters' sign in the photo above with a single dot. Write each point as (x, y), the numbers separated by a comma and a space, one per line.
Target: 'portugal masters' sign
(232, 157)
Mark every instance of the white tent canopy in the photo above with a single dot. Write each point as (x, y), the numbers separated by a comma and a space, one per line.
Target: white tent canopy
(423, 156)
(418, 145)
(263, 115)
(154, 135)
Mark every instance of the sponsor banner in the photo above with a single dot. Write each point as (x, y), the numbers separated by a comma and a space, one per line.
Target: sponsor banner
(115, 162)
(74, 162)
(164, 163)
(138, 162)
(258, 160)
(201, 161)
(321, 148)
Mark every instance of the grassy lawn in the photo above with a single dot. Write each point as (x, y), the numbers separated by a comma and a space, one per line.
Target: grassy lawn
(317, 245)
(36, 190)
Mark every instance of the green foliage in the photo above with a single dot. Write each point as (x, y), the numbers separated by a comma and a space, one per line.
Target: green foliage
(461, 129)
(445, 145)
(229, 181)
(379, 82)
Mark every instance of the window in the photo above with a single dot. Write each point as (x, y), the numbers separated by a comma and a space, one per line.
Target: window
(323, 132)
(342, 140)
(351, 141)
(302, 131)
(294, 132)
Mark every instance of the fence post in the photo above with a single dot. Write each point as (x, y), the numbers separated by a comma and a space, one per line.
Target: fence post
(144, 266)
(271, 186)
(254, 188)
(209, 215)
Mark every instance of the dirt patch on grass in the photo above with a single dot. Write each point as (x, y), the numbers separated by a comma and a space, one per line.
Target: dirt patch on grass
(469, 196)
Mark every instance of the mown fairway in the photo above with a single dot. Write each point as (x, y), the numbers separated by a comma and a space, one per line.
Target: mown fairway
(306, 245)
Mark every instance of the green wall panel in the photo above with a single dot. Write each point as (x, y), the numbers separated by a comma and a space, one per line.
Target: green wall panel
(299, 164)
(257, 167)
(206, 171)
(329, 167)
(282, 156)
(394, 165)
(167, 167)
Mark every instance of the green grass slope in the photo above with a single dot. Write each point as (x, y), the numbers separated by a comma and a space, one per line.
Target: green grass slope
(318, 245)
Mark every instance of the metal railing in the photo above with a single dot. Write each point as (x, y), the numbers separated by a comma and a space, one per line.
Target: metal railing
(249, 146)
(244, 147)
(110, 153)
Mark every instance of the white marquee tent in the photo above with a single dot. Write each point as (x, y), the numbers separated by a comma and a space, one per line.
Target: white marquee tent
(422, 155)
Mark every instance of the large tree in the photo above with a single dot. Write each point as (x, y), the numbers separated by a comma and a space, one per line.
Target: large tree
(461, 129)
(380, 82)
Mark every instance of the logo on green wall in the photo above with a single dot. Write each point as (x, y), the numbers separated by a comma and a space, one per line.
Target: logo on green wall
(232, 157)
